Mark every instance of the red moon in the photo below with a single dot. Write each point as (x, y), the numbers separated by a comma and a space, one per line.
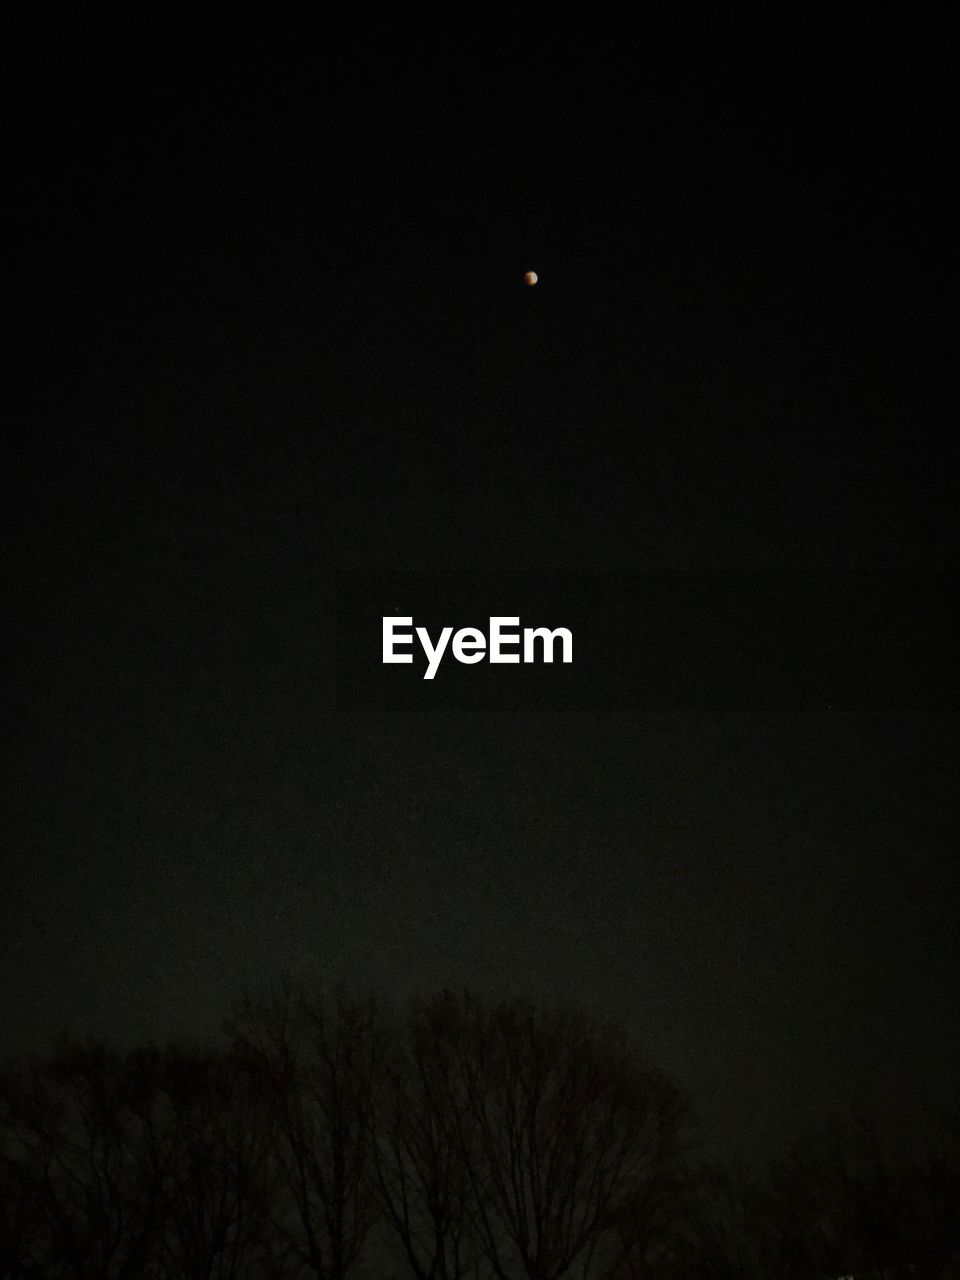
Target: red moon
(530, 278)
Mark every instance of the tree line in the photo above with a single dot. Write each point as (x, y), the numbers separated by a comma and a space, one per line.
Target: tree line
(464, 1140)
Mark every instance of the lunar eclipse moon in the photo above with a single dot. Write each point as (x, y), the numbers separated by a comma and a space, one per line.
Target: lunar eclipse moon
(531, 278)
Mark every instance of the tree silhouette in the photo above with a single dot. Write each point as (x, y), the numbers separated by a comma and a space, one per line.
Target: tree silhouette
(720, 1231)
(213, 1178)
(858, 1197)
(421, 1130)
(465, 1141)
(75, 1157)
(314, 1059)
(571, 1146)
(20, 1222)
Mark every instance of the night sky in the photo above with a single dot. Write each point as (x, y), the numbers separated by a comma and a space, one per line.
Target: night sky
(268, 326)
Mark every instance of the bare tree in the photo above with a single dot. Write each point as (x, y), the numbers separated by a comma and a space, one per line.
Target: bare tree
(570, 1144)
(489, 1142)
(148, 1163)
(419, 1122)
(21, 1228)
(314, 1057)
(719, 1231)
(860, 1196)
(74, 1154)
(210, 1146)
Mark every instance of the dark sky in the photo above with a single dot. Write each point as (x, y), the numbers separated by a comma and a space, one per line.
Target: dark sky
(269, 325)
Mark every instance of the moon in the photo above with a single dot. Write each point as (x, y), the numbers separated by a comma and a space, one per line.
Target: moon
(531, 278)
